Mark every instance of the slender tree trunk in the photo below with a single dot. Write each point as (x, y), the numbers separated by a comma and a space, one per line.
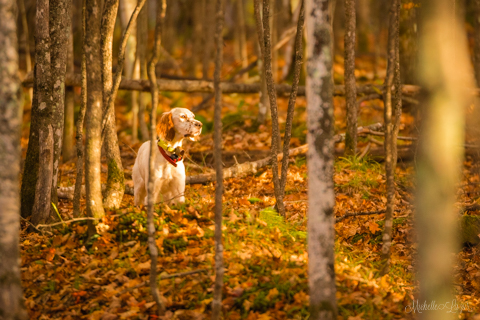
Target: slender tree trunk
(390, 127)
(11, 297)
(293, 95)
(476, 48)
(68, 151)
(219, 269)
(272, 94)
(408, 30)
(264, 103)
(440, 154)
(142, 37)
(152, 247)
(321, 197)
(80, 120)
(40, 106)
(59, 33)
(350, 82)
(115, 176)
(94, 111)
(274, 37)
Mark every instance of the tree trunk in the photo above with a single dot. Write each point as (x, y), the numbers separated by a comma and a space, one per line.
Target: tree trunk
(26, 35)
(115, 178)
(142, 37)
(267, 50)
(219, 268)
(41, 109)
(152, 247)
(41, 118)
(59, 33)
(321, 197)
(350, 82)
(80, 120)
(42, 205)
(197, 35)
(440, 157)
(94, 110)
(390, 127)
(11, 297)
(68, 151)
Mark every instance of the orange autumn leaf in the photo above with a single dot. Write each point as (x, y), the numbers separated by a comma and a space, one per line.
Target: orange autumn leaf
(373, 227)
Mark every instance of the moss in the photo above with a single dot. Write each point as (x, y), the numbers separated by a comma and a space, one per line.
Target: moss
(115, 175)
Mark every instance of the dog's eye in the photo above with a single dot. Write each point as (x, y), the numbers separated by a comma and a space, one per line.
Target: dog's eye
(183, 116)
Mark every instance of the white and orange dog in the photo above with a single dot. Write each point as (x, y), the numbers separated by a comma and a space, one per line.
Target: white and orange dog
(169, 170)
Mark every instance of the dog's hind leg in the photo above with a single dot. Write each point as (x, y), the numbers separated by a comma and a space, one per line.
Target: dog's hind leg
(139, 192)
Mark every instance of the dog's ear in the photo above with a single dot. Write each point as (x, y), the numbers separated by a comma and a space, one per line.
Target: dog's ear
(165, 127)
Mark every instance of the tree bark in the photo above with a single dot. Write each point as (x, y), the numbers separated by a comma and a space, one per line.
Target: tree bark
(94, 110)
(293, 96)
(267, 48)
(152, 247)
(59, 33)
(11, 297)
(242, 35)
(41, 111)
(42, 205)
(26, 35)
(390, 136)
(80, 120)
(68, 151)
(321, 197)
(350, 82)
(115, 178)
(440, 156)
(219, 268)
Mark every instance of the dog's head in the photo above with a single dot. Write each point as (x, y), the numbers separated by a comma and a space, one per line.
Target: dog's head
(178, 122)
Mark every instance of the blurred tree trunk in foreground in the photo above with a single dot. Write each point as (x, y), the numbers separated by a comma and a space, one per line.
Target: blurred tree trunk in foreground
(11, 297)
(445, 76)
(321, 197)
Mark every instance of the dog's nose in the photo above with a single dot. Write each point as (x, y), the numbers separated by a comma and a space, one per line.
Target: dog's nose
(198, 124)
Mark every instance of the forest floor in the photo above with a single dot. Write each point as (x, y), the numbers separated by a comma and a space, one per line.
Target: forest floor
(67, 276)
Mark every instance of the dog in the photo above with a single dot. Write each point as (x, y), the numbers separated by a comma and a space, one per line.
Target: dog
(169, 170)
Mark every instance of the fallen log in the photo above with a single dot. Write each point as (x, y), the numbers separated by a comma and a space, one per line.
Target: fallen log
(204, 86)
